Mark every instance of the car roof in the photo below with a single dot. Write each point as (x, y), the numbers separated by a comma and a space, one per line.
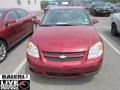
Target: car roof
(8, 9)
(68, 7)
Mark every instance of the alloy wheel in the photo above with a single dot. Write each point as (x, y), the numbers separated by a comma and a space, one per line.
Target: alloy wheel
(3, 51)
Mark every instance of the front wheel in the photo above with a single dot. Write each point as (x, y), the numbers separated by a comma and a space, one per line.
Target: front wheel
(3, 51)
(93, 13)
(114, 31)
(108, 15)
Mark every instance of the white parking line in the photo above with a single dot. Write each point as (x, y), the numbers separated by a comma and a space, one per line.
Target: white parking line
(110, 44)
(19, 67)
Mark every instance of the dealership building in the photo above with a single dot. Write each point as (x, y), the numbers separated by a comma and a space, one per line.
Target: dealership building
(30, 5)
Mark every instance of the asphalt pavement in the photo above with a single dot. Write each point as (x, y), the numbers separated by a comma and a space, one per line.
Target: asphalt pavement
(108, 77)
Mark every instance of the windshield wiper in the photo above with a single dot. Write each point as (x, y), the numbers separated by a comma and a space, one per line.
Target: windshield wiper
(64, 25)
(46, 25)
(60, 25)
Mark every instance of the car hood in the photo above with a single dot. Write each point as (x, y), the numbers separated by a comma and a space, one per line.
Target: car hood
(65, 38)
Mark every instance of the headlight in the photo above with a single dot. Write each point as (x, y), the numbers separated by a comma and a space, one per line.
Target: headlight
(32, 50)
(96, 50)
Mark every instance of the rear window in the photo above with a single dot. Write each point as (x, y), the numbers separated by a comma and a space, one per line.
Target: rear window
(1, 14)
(22, 13)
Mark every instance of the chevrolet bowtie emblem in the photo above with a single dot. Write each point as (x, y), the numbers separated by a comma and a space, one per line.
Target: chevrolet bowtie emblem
(62, 56)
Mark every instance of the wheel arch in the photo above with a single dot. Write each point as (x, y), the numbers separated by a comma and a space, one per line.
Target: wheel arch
(113, 23)
(4, 42)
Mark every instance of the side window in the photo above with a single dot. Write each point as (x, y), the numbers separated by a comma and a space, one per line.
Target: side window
(21, 13)
(117, 5)
(12, 15)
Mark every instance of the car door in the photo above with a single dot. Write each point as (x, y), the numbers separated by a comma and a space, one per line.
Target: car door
(26, 22)
(11, 28)
(118, 22)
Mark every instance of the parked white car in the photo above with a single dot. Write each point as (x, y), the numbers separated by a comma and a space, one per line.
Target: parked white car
(116, 8)
(115, 25)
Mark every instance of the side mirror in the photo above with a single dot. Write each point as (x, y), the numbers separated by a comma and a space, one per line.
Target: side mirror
(10, 21)
(45, 10)
(37, 21)
(95, 20)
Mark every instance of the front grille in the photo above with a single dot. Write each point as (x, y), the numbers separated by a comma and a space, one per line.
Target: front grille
(67, 56)
(63, 74)
(63, 59)
(104, 10)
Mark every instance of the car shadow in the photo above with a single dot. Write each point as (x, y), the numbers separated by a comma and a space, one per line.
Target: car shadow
(18, 44)
(57, 81)
(115, 39)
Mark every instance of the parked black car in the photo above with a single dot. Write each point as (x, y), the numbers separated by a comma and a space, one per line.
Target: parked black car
(85, 3)
(100, 8)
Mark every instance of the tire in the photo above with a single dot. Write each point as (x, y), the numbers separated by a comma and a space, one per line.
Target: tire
(114, 31)
(108, 15)
(90, 11)
(3, 51)
(93, 13)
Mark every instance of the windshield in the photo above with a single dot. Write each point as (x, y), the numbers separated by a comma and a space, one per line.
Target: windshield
(1, 14)
(67, 17)
(100, 4)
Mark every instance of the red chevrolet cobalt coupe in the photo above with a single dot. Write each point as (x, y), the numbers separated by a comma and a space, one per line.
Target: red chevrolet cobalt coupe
(66, 44)
(15, 24)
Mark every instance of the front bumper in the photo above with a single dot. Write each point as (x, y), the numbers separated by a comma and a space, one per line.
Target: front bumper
(102, 11)
(64, 70)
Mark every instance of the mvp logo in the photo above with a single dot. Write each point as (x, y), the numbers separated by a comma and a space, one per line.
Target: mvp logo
(9, 82)
(8, 85)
